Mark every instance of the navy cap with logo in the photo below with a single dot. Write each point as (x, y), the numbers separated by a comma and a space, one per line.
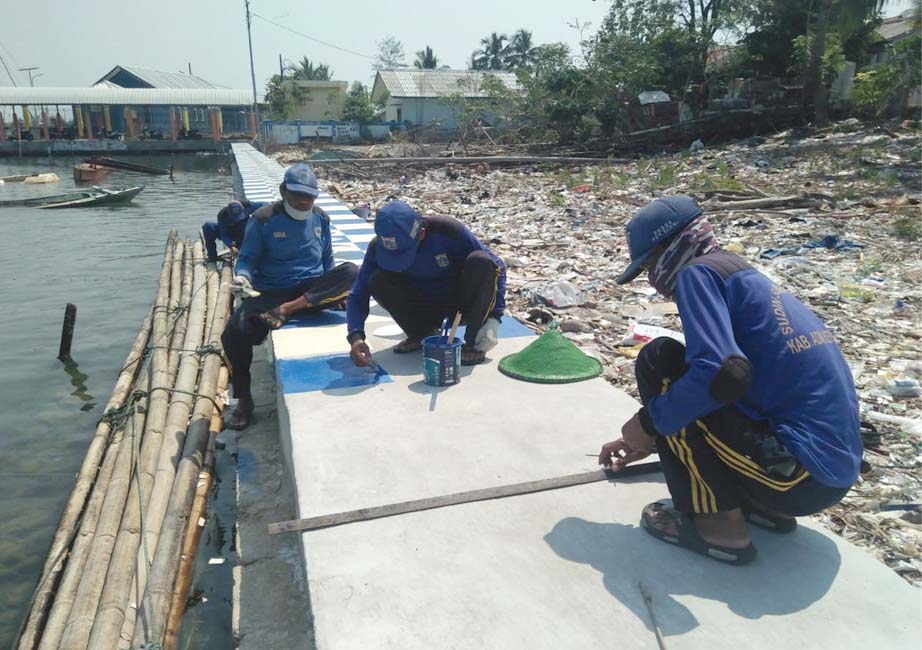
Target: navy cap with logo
(232, 212)
(301, 178)
(397, 227)
(654, 223)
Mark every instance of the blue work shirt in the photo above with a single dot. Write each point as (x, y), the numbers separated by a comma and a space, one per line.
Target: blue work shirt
(280, 253)
(229, 229)
(801, 385)
(435, 271)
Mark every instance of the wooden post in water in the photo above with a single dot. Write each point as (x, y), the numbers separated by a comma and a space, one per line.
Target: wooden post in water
(67, 332)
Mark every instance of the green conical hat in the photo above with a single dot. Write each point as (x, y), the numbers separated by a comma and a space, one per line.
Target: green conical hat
(552, 359)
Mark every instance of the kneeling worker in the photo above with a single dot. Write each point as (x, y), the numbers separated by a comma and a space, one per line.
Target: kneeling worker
(285, 267)
(422, 270)
(229, 228)
(755, 419)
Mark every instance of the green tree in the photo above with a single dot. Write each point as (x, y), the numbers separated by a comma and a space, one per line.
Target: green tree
(492, 53)
(283, 97)
(426, 60)
(358, 106)
(307, 71)
(841, 18)
(389, 55)
(522, 51)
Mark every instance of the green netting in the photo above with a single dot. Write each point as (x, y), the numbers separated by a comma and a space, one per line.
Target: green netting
(551, 359)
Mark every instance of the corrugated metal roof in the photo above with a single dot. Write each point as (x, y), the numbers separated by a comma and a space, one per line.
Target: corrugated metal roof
(160, 79)
(128, 96)
(411, 82)
(897, 26)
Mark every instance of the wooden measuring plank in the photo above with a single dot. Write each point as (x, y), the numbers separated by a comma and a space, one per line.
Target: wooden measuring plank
(500, 492)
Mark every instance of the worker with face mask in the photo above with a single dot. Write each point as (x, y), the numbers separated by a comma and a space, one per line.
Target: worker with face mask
(285, 267)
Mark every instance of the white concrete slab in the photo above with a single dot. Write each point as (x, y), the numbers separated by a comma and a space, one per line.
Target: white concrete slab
(552, 570)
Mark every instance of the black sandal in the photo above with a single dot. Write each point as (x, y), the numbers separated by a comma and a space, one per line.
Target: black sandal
(688, 536)
(408, 345)
(273, 318)
(762, 518)
(238, 419)
(471, 357)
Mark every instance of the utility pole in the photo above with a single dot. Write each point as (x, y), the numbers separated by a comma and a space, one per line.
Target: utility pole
(253, 76)
(281, 68)
(29, 70)
(8, 74)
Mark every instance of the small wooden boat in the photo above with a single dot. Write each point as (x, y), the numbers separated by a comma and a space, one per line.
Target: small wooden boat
(80, 199)
(90, 173)
(128, 167)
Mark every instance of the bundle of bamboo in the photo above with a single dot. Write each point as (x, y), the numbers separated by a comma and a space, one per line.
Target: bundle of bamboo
(120, 543)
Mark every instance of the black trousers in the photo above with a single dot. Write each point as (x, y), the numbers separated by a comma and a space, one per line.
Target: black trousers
(245, 329)
(418, 314)
(725, 459)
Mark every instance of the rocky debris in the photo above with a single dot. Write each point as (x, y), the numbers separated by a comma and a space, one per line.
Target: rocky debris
(787, 204)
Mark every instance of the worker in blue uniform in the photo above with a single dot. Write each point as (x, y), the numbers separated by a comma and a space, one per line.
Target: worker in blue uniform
(285, 267)
(229, 228)
(423, 270)
(755, 418)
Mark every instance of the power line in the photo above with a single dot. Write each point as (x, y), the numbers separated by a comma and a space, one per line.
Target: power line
(311, 38)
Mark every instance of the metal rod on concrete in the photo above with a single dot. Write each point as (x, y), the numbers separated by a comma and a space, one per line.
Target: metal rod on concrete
(648, 601)
(502, 491)
(67, 332)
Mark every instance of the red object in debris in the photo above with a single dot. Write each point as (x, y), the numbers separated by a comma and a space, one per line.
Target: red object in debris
(579, 189)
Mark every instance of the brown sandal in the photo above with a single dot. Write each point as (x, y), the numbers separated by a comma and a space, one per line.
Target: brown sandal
(408, 345)
(471, 357)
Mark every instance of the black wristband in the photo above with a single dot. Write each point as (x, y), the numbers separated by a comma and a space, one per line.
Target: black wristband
(354, 336)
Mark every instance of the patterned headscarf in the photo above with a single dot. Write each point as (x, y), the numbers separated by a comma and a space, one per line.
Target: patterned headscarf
(696, 239)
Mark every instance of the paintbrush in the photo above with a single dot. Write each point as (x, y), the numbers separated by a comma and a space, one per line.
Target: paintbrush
(454, 328)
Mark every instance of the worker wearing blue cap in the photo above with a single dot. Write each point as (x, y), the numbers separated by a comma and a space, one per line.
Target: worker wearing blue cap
(422, 270)
(229, 228)
(755, 418)
(285, 267)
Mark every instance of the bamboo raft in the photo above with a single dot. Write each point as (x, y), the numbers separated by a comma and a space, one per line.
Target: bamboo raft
(118, 571)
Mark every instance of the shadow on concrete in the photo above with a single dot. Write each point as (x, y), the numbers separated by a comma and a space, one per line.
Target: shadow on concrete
(791, 572)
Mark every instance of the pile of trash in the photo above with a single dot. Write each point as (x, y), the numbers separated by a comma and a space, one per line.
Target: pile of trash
(833, 216)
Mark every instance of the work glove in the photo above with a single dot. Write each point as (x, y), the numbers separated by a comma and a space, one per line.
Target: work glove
(488, 336)
(242, 288)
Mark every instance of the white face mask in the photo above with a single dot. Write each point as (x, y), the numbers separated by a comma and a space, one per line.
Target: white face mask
(299, 215)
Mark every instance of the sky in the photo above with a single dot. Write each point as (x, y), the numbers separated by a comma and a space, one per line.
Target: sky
(79, 42)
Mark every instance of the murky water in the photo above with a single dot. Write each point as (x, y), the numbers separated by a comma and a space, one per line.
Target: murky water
(106, 261)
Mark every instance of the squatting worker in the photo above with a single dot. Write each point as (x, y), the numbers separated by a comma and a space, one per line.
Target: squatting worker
(287, 256)
(229, 228)
(422, 270)
(756, 417)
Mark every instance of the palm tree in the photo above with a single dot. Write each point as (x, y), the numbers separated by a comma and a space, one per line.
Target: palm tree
(307, 71)
(846, 16)
(426, 60)
(492, 53)
(522, 52)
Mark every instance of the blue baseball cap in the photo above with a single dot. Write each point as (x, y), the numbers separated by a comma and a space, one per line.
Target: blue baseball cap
(302, 179)
(232, 212)
(397, 227)
(654, 223)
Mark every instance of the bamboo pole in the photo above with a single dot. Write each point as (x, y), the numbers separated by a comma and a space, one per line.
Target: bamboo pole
(180, 276)
(154, 609)
(110, 621)
(196, 525)
(95, 579)
(67, 528)
(97, 533)
(116, 584)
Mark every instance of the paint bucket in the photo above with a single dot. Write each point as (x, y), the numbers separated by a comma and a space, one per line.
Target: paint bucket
(362, 211)
(441, 361)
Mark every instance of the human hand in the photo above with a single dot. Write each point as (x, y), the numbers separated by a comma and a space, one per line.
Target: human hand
(242, 288)
(617, 454)
(360, 353)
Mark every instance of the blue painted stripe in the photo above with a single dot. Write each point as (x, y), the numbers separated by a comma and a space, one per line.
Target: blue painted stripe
(326, 373)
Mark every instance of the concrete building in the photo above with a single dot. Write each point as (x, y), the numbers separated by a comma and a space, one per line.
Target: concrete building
(419, 97)
(321, 100)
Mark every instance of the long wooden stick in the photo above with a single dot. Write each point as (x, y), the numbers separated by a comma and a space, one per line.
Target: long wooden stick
(648, 601)
(501, 492)
(86, 478)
